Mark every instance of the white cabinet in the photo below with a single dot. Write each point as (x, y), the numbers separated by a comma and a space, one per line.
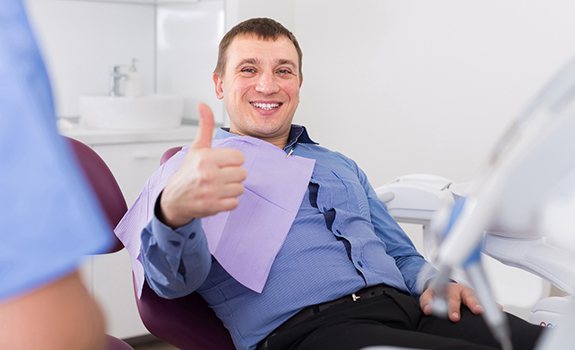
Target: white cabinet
(131, 156)
(132, 164)
(109, 278)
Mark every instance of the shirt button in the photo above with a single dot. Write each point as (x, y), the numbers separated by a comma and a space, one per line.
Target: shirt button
(360, 264)
(192, 235)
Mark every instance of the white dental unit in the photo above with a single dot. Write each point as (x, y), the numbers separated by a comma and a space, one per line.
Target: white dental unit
(504, 212)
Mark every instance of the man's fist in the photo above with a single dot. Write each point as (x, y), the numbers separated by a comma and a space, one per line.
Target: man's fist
(208, 181)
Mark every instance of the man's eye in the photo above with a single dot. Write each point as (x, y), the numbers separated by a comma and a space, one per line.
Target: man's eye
(284, 71)
(248, 70)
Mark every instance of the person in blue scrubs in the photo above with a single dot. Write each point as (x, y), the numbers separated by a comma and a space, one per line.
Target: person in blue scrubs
(48, 218)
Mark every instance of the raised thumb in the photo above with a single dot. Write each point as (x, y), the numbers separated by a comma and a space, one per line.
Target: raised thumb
(206, 128)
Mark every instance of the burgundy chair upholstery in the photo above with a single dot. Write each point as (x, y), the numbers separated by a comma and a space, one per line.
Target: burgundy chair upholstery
(111, 200)
(116, 344)
(186, 322)
(104, 186)
(169, 153)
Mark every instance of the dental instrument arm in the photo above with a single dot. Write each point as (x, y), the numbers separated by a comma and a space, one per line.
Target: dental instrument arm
(508, 194)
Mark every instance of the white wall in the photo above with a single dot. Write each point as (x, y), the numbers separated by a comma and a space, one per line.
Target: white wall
(419, 86)
(401, 86)
(280, 10)
(174, 43)
(82, 41)
(406, 86)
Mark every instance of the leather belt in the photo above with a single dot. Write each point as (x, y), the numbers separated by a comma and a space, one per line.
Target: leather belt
(307, 312)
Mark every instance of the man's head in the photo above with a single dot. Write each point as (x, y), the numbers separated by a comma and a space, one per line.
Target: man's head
(261, 28)
(258, 76)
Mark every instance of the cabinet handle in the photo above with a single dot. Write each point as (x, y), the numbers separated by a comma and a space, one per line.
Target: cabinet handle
(144, 156)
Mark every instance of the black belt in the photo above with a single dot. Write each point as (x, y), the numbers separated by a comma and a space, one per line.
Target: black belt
(304, 314)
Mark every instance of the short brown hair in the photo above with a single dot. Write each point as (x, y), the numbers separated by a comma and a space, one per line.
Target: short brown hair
(262, 28)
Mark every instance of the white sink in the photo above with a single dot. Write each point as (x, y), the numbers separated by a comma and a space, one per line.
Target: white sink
(145, 112)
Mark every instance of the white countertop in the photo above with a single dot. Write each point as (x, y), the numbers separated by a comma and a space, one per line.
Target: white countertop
(186, 133)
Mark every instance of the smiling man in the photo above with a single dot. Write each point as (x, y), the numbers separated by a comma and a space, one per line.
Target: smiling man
(345, 276)
(260, 83)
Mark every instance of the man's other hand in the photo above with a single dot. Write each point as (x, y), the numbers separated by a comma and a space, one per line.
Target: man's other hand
(456, 294)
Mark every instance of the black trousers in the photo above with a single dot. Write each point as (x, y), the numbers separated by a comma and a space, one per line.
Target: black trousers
(395, 319)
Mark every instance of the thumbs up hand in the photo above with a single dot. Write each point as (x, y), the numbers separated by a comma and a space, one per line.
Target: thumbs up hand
(208, 181)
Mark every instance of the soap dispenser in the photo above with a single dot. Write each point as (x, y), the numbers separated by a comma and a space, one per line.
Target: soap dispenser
(133, 83)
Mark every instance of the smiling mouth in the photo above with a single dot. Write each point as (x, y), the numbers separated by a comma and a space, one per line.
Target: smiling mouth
(266, 106)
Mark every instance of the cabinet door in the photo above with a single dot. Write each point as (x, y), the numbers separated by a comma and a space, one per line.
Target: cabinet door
(133, 163)
(113, 288)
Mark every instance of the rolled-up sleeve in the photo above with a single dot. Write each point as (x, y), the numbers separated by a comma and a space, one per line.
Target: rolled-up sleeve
(176, 262)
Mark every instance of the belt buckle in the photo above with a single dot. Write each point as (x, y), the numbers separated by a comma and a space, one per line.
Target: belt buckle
(355, 297)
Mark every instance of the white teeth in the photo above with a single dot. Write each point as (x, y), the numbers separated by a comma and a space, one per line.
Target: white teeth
(265, 106)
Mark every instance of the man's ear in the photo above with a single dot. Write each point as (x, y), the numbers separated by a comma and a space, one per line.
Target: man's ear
(218, 85)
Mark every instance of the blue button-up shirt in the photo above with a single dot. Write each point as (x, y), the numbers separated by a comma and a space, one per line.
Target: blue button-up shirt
(342, 239)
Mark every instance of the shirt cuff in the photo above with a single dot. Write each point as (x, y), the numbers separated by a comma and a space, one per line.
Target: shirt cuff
(174, 240)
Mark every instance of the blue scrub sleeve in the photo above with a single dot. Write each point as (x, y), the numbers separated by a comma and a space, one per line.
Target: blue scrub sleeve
(49, 219)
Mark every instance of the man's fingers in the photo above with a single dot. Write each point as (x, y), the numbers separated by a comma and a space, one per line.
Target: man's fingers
(231, 190)
(456, 294)
(206, 128)
(225, 157)
(471, 301)
(425, 301)
(227, 204)
(454, 302)
(232, 174)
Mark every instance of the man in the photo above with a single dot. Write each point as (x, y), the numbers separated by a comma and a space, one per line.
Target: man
(345, 277)
(49, 220)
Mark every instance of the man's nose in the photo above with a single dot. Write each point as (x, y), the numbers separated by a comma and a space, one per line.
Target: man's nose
(267, 84)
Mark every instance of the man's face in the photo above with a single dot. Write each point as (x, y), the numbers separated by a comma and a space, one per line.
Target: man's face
(260, 87)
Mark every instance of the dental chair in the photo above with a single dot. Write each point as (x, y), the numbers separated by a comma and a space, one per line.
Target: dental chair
(186, 322)
(111, 200)
(169, 153)
(415, 199)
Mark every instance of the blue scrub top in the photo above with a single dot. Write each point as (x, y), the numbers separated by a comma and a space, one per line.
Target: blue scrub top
(49, 219)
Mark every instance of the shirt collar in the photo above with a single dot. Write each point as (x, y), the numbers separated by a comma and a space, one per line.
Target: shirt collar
(298, 134)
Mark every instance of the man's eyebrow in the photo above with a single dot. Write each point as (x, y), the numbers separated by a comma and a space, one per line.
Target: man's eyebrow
(282, 61)
(253, 61)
